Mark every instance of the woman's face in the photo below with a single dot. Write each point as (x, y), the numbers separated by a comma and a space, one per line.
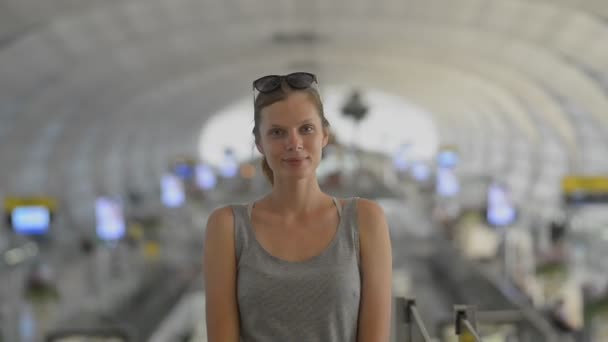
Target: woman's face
(292, 136)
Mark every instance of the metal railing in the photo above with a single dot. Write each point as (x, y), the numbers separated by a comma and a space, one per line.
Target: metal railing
(465, 323)
(413, 329)
(413, 321)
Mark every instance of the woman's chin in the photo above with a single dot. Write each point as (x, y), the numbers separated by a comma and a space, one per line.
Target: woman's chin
(298, 174)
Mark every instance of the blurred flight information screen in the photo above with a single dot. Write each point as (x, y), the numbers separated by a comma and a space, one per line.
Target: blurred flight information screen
(31, 220)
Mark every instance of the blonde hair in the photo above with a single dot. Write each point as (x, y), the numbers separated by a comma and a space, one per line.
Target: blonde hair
(264, 100)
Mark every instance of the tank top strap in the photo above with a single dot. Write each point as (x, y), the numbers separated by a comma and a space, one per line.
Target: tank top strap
(351, 224)
(249, 209)
(242, 234)
(338, 206)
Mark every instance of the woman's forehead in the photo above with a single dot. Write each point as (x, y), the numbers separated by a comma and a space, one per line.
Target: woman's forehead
(296, 108)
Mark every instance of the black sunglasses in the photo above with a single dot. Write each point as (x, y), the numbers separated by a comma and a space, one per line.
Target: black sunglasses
(296, 80)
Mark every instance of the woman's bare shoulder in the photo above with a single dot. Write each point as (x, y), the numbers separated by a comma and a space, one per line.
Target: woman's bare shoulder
(370, 214)
(221, 215)
(220, 223)
(368, 206)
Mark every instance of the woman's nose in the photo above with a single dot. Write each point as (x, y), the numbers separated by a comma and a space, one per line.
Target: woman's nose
(294, 142)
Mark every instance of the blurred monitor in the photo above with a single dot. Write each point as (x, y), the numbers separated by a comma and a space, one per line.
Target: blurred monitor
(500, 209)
(230, 166)
(30, 220)
(400, 158)
(447, 184)
(172, 191)
(183, 171)
(205, 177)
(447, 159)
(110, 219)
(420, 171)
(400, 164)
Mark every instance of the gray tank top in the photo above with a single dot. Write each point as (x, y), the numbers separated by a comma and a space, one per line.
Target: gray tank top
(313, 300)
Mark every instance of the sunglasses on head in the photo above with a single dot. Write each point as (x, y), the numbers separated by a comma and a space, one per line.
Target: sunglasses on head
(296, 80)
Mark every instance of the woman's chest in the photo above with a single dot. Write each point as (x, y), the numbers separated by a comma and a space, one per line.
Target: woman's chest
(296, 241)
(332, 282)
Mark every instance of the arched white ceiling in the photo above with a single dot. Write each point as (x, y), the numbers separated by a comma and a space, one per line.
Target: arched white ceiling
(102, 93)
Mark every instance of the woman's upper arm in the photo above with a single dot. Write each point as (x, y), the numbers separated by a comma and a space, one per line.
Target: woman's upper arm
(219, 268)
(376, 273)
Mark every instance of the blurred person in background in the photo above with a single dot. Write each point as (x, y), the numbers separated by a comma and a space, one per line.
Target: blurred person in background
(297, 263)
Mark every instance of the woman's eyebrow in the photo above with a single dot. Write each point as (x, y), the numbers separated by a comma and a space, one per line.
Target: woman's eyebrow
(303, 122)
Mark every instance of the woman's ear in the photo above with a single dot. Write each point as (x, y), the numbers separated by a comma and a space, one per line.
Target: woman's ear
(259, 148)
(325, 136)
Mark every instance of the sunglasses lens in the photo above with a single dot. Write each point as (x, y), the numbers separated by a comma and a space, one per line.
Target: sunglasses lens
(267, 83)
(300, 80)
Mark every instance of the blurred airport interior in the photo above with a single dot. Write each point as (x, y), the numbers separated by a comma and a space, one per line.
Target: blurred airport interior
(479, 126)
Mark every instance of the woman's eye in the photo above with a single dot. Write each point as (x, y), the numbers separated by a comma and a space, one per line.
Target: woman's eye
(308, 129)
(275, 132)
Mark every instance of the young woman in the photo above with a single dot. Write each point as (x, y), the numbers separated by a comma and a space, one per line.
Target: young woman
(296, 264)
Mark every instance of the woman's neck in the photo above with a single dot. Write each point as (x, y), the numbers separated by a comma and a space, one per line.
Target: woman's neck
(296, 198)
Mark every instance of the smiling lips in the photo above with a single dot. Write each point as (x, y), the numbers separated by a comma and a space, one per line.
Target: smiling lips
(294, 161)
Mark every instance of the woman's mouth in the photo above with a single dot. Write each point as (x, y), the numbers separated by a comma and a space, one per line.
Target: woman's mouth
(294, 161)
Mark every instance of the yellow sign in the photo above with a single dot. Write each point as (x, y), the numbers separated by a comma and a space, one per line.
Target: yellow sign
(466, 336)
(585, 184)
(151, 250)
(183, 159)
(448, 147)
(136, 231)
(11, 203)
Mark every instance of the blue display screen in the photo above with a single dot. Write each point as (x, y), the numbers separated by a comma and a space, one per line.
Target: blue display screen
(447, 183)
(400, 164)
(229, 167)
(500, 209)
(172, 191)
(110, 219)
(205, 177)
(183, 171)
(447, 159)
(31, 220)
(420, 171)
(400, 158)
